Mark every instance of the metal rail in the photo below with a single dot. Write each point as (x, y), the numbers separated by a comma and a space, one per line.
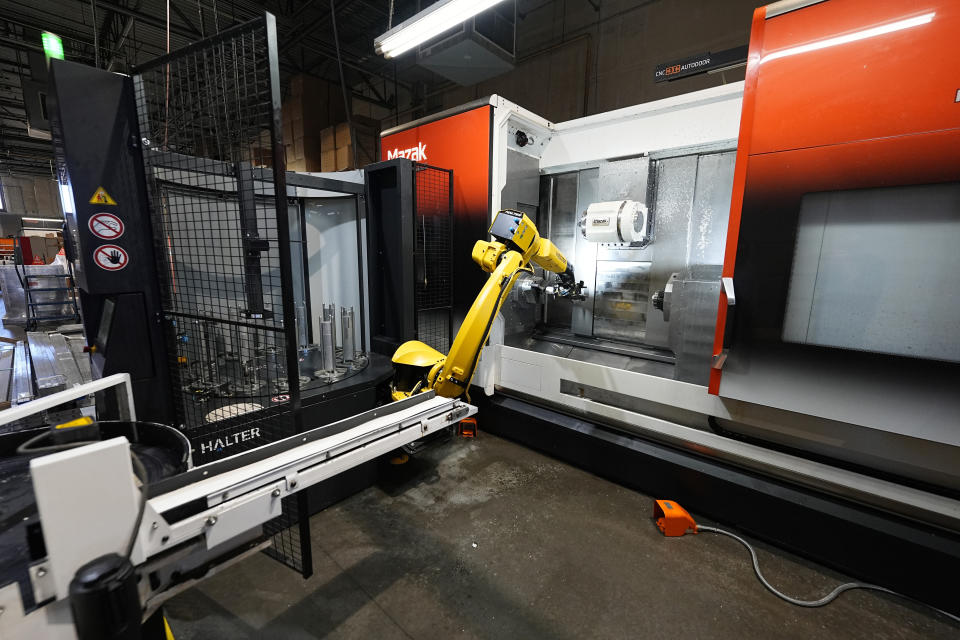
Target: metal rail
(243, 498)
(62, 397)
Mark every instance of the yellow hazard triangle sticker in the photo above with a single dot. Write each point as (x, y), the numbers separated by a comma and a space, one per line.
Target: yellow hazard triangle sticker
(100, 196)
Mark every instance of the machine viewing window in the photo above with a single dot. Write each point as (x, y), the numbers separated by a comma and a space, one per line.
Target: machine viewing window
(878, 270)
(646, 235)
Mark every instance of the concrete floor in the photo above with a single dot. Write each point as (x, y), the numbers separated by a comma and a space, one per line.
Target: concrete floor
(488, 539)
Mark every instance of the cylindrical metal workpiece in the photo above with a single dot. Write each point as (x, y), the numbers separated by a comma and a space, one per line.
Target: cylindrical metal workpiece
(328, 355)
(330, 314)
(235, 341)
(272, 370)
(214, 346)
(346, 333)
(201, 348)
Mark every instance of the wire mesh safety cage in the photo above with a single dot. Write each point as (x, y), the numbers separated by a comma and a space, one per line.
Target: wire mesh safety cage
(209, 124)
(433, 255)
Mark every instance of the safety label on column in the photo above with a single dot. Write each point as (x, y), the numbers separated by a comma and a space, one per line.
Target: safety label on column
(100, 196)
(110, 257)
(105, 226)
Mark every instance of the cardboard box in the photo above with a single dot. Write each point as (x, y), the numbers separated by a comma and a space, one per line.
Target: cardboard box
(344, 158)
(297, 129)
(328, 139)
(296, 109)
(343, 135)
(44, 248)
(328, 160)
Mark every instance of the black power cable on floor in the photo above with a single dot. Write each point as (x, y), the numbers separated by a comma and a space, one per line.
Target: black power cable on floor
(825, 600)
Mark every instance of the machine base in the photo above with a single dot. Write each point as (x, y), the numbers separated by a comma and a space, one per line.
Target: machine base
(909, 557)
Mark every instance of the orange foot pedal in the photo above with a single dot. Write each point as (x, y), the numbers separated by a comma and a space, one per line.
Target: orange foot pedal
(672, 519)
(467, 428)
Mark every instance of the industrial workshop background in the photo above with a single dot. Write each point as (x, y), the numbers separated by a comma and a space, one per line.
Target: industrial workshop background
(571, 59)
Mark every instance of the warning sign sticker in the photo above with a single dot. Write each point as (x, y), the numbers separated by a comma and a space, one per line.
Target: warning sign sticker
(110, 257)
(100, 196)
(105, 226)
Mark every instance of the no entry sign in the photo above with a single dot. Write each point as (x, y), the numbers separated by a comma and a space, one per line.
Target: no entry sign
(110, 257)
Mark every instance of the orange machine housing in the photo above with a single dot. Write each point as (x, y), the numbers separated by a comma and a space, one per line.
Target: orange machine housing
(839, 94)
(459, 141)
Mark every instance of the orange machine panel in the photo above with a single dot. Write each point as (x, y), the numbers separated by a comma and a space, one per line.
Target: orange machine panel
(839, 95)
(847, 70)
(460, 142)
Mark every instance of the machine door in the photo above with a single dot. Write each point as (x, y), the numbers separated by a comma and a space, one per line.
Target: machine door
(841, 272)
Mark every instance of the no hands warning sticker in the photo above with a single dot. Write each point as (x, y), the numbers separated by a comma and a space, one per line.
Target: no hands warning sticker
(105, 226)
(110, 257)
(100, 196)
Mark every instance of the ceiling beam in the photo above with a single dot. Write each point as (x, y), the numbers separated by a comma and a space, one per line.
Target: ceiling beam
(25, 139)
(332, 55)
(376, 91)
(20, 44)
(305, 31)
(177, 10)
(157, 23)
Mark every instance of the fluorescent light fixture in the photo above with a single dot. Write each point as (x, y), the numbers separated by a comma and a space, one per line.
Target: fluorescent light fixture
(66, 198)
(429, 23)
(42, 219)
(851, 37)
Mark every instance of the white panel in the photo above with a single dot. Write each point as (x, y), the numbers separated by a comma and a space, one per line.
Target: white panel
(236, 520)
(695, 398)
(701, 117)
(520, 375)
(87, 503)
(50, 622)
(904, 419)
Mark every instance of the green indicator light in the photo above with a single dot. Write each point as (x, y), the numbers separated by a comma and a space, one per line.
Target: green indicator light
(52, 45)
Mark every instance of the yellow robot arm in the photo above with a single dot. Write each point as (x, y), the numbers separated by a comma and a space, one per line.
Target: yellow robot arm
(517, 243)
